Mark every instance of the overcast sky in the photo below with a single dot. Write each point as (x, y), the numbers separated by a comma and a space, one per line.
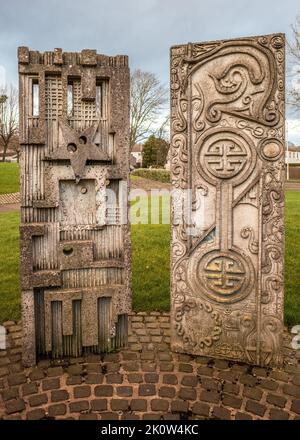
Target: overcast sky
(143, 29)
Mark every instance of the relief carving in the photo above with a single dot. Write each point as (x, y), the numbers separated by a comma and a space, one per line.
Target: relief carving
(227, 107)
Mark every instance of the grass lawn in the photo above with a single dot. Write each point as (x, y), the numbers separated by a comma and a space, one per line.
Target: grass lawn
(292, 258)
(150, 245)
(9, 266)
(9, 177)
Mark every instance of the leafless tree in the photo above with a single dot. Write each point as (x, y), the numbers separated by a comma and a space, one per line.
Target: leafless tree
(294, 51)
(148, 97)
(163, 131)
(8, 117)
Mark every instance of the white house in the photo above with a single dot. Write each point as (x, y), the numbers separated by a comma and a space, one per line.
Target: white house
(137, 154)
(292, 155)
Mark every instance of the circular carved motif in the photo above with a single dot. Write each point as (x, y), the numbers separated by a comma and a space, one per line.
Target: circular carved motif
(225, 155)
(225, 276)
(225, 158)
(271, 149)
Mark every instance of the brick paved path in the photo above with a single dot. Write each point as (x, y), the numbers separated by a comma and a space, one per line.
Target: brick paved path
(9, 199)
(146, 381)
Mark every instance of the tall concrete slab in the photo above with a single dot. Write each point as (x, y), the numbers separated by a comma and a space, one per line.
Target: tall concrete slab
(75, 238)
(227, 158)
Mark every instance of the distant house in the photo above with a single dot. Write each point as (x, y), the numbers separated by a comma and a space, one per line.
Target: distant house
(168, 161)
(292, 155)
(13, 151)
(137, 155)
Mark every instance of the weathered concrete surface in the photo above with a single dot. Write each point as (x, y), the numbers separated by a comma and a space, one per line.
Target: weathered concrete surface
(227, 145)
(75, 243)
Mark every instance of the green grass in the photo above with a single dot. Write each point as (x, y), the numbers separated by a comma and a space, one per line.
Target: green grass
(9, 177)
(151, 272)
(9, 266)
(160, 175)
(292, 258)
(151, 267)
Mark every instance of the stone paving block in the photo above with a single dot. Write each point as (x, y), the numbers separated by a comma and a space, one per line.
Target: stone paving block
(292, 390)
(278, 414)
(16, 379)
(147, 356)
(14, 405)
(151, 377)
(210, 384)
(170, 379)
(51, 384)
(221, 413)
(231, 388)
(166, 366)
(36, 414)
(276, 400)
(187, 393)
(279, 375)
(296, 406)
(252, 393)
(59, 395)
(201, 409)
(232, 401)
(119, 404)
(159, 405)
(185, 368)
(94, 378)
(109, 416)
(75, 369)
(169, 392)
(255, 408)
(147, 390)
(54, 371)
(189, 381)
(103, 391)
(209, 396)
(81, 405)
(114, 378)
(179, 406)
(74, 380)
(99, 404)
(204, 371)
(148, 367)
(38, 399)
(88, 416)
(243, 416)
(82, 391)
(249, 380)
(58, 409)
(139, 405)
(268, 384)
(124, 391)
(10, 393)
(135, 378)
(152, 416)
(29, 388)
(36, 374)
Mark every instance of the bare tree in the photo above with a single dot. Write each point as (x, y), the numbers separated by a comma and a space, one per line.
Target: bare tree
(8, 117)
(163, 131)
(294, 50)
(148, 97)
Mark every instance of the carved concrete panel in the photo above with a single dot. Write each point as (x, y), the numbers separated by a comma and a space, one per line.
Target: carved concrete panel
(75, 238)
(227, 105)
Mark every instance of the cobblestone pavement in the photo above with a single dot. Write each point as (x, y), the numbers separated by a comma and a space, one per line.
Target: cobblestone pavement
(146, 381)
